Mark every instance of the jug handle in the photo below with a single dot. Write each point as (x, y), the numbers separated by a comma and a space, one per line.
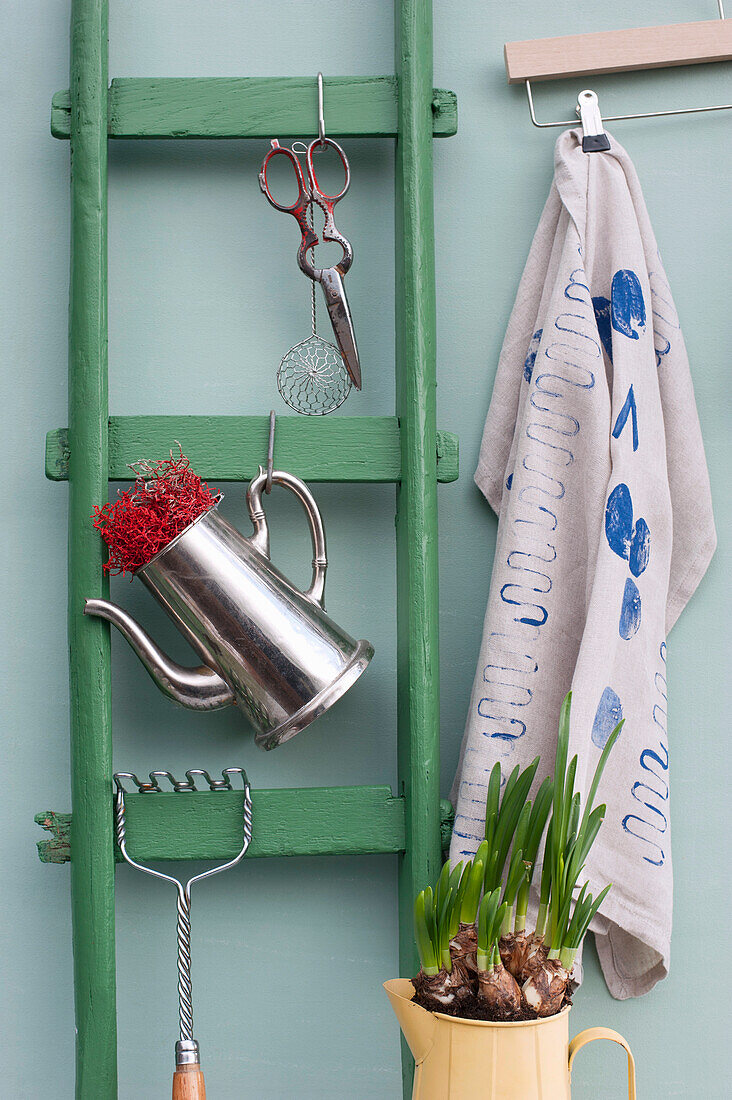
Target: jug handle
(260, 538)
(592, 1033)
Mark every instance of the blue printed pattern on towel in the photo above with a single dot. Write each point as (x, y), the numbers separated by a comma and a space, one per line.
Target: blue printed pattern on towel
(604, 327)
(608, 714)
(629, 409)
(649, 824)
(629, 540)
(665, 318)
(531, 356)
(628, 309)
(567, 361)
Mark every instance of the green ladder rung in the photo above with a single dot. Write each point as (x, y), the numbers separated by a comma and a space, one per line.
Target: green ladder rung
(252, 107)
(230, 448)
(315, 821)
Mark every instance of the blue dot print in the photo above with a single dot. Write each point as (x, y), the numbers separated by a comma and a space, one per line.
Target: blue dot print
(628, 310)
(628, 540)
(608, 714)
(632, 542)
(640, 548)
(630, 612)
(619, 520)
(531, 356)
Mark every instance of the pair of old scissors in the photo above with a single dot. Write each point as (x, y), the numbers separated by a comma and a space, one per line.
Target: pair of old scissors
(330, 278)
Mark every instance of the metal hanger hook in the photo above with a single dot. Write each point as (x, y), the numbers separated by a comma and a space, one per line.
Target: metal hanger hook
(321, 110)
(270, 450)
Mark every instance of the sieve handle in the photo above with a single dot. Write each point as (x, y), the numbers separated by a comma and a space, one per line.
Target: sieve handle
(260, 538)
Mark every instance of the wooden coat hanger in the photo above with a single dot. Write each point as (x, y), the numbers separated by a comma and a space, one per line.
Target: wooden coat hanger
(614, 52)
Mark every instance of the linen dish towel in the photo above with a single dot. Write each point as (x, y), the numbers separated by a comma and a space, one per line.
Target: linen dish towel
(592, 457)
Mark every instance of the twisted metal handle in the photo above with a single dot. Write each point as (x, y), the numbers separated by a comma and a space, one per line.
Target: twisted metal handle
(185, 988)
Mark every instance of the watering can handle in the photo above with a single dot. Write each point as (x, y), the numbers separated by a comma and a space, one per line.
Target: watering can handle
(260, 538)
(592, 1033)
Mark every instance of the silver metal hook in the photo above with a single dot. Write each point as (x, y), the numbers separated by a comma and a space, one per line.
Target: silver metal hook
(270, 451)
(321, 110)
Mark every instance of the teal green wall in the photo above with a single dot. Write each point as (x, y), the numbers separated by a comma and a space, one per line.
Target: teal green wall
(204, 299)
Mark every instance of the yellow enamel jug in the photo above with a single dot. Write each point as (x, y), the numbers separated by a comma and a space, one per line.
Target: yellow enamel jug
(465, 1059)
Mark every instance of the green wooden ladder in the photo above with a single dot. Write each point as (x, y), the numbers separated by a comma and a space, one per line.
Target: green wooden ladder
(405, 449)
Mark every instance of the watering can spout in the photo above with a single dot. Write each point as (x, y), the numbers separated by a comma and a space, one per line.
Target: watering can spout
(417, 1024)
(198, 688)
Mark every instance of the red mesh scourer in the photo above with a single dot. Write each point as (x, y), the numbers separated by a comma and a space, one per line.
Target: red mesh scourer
(166, 497)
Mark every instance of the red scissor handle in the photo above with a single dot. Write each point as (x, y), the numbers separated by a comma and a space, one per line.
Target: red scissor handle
(327, 202)
(317, 146)
(299, 208)
(308, 192)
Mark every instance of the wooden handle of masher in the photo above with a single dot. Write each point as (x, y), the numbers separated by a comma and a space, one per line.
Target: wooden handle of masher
(188, 1083)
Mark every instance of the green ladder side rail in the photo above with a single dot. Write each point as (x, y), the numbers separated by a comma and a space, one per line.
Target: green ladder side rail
(405, 449)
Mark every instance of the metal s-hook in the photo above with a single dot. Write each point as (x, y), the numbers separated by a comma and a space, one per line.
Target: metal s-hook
(321, 110)
(270, 450)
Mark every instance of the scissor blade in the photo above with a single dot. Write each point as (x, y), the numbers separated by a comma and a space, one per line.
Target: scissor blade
(340, 319)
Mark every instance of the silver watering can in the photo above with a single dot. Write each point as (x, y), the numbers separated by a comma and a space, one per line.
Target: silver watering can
(265, 645)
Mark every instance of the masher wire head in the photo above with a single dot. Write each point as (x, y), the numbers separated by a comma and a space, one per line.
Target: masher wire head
(181, 786)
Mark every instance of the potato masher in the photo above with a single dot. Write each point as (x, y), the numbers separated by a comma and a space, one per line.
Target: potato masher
(188, 1082)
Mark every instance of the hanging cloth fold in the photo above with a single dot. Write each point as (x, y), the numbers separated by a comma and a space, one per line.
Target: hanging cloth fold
(592, 457)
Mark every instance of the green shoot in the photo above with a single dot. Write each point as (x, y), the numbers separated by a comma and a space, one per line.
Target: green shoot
(490, 917)
(546, 884)
(504, 821)
(438, 913)
(433, 918)
(458, 886)
(600, 769)
(473, 876)
(517, 871)
(425, 942)
(491, 805)
(569, 841)
(510, 783)
(443, 885)
(444, 892)
(442, 920)
(584, 911)
(537, 822)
